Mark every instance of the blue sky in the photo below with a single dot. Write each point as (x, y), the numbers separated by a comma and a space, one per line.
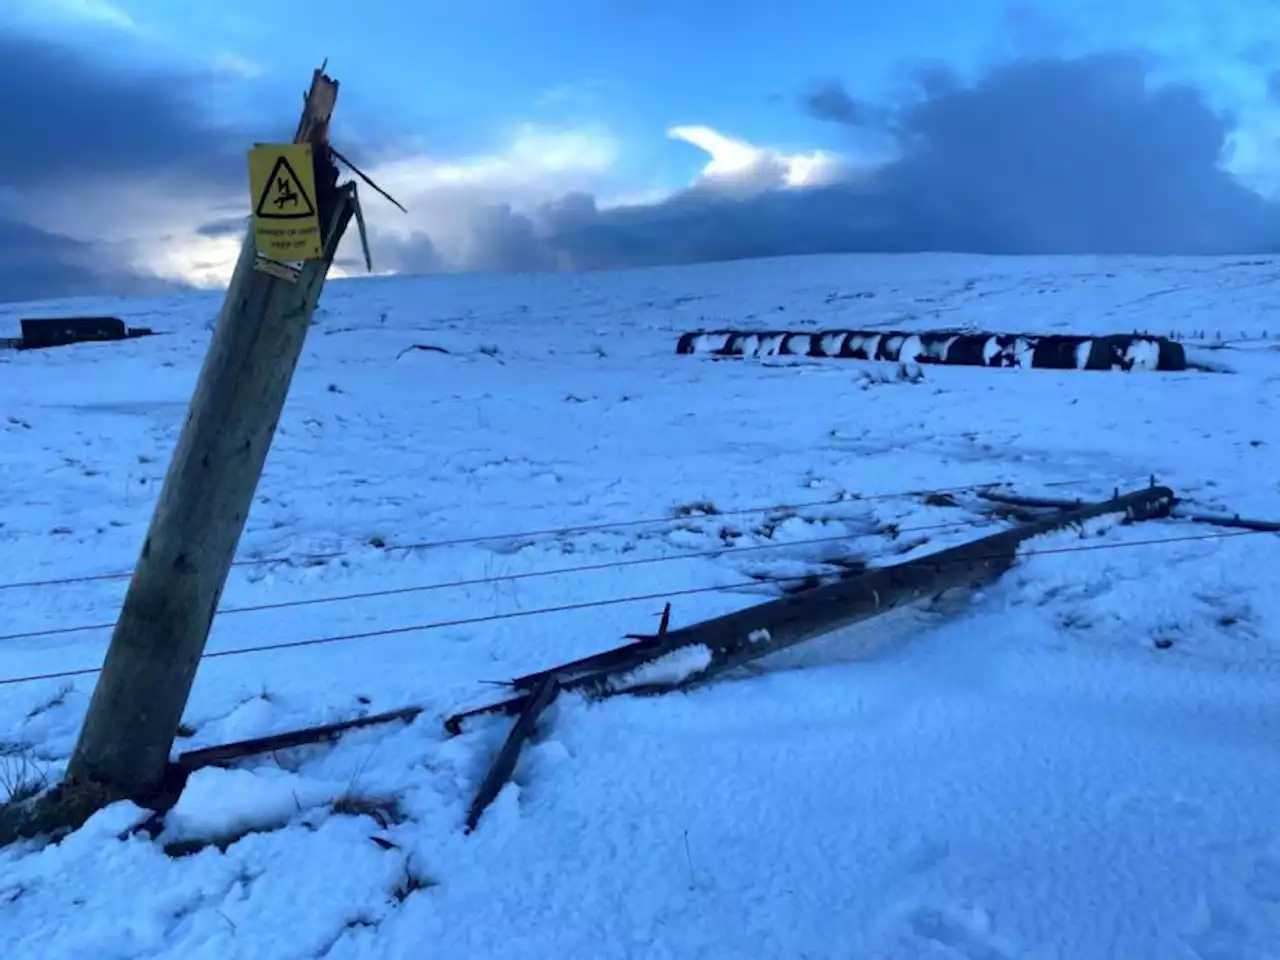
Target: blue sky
(485, 112)
(455, 74)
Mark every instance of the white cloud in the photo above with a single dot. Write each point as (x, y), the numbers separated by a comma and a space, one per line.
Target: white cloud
(1253, 153)
(742, 166)
(201, 261)
(155, 224)
(535, 159)
(99, 11)
(93, 11)
(445, 196)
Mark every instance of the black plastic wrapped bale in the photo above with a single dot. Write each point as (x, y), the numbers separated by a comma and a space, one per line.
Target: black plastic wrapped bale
(1006, 350)
(1126, 351)
(685, 345)
(951, 347)
(1109, 353)
(799, 344)
(860, 345)
(934, 345)
(765, 343)
(715, 342)
(828, 343)
(890, 347)
(968, 350)
(61, 331)
(1060, 352)
(1172, 355)
(771, 343)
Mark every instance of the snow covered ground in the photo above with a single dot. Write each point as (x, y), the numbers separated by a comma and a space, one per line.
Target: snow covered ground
(1080, 762)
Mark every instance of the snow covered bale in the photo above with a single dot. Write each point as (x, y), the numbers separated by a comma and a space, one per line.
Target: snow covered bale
(860, 345)
(1136, 353)
(801, 345)
(704, 341)
(1061, 352)
(890, 346)
(1123, 352)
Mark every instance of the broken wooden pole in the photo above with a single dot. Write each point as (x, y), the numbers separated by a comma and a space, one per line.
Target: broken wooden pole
(1030, 503)
(737, 638)
(745, 635)
(676, 659)
(133, 718)
(1177, 513)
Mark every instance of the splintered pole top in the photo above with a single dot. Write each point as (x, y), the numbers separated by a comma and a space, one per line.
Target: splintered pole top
(317, 109)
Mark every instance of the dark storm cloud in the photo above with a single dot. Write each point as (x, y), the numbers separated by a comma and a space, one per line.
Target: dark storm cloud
(829, 100)
(67, 116)
(71, 120)
(506, 241)
(413, 254)
(227, 227)
(35, 265)
(1071, 156)
(1039, 156)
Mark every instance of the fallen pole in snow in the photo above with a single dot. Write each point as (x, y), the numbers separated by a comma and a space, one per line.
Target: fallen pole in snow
(1176, 513)
(676, 659)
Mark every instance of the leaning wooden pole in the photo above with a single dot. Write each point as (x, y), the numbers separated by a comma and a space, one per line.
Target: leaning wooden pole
(133, 718)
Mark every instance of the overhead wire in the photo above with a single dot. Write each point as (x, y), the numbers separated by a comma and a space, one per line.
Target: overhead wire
(603, 526)
(527, 575)
(612, 601)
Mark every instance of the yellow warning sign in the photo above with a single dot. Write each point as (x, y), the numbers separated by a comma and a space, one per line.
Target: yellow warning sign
(282, 181)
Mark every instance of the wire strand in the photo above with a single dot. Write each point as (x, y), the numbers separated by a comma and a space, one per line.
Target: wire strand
(527, 575)
(553, 531)
(617, 601)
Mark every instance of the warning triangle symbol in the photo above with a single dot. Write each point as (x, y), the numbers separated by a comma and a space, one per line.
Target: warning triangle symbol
(283, 197)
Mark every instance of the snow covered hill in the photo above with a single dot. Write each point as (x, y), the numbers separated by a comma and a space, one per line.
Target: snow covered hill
(1080, 762)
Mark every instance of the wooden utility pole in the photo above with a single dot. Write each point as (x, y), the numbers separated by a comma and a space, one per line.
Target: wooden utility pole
(133, 718)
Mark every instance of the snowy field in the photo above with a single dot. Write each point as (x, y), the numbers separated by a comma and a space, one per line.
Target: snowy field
(1080, 762)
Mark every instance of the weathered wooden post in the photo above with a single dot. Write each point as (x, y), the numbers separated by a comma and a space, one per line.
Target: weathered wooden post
(300, 214)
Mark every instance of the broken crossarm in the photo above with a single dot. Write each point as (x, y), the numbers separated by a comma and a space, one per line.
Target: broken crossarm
(565, 673)
(505, 764)
(226, 753)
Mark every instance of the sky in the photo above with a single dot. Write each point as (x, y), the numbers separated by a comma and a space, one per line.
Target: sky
(594, 134)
